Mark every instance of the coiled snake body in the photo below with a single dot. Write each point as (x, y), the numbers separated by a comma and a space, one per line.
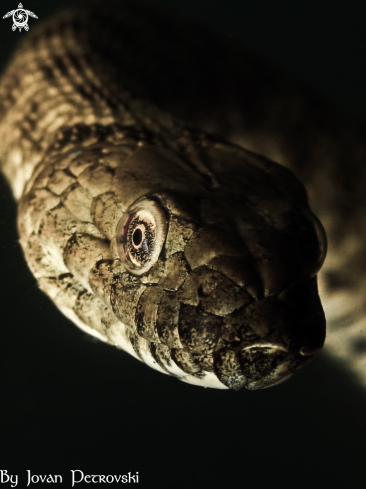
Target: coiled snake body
(194, 255)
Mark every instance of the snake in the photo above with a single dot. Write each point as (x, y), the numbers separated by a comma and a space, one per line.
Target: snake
(175, 196)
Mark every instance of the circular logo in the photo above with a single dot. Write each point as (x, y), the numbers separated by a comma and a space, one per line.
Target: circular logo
(20, 18)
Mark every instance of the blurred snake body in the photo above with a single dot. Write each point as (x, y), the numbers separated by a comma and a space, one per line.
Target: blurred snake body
(191, 253)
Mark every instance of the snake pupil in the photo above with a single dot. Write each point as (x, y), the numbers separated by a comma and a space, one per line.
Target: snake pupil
(137, 237)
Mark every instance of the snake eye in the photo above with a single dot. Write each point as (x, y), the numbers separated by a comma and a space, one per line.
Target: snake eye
(141, 233)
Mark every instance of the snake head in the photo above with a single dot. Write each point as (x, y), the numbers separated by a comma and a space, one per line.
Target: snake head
(215, 266)
(200, 260)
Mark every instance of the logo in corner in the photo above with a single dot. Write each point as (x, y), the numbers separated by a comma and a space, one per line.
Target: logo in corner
(20, 18)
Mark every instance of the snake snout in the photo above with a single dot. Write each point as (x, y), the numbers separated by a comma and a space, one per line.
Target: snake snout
(267, 340)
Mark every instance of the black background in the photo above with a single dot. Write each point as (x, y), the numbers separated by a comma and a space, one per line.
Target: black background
(69, 402)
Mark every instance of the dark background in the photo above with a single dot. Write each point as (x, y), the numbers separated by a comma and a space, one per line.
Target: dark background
(70, 402)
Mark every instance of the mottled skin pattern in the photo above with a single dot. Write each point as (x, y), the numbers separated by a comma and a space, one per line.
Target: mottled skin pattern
(231, 299)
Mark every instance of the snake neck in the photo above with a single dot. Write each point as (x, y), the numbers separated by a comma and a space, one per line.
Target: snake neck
(60, 82)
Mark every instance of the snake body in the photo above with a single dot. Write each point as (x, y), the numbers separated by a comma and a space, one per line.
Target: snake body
(191, 253)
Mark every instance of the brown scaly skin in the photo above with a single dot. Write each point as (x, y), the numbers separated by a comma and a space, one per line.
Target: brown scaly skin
(231, 298)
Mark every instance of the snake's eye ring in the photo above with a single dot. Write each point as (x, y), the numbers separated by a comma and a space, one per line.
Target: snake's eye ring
(141, 233)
